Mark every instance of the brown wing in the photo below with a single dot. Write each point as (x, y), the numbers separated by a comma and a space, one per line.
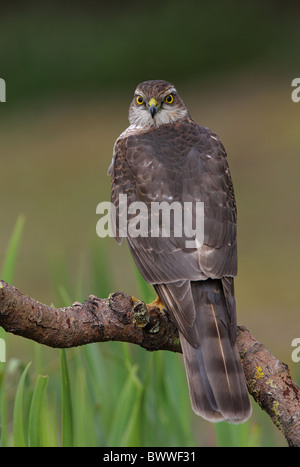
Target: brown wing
(180, 162)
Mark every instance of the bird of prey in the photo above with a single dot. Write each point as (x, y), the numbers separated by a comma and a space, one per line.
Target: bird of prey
(164, 155)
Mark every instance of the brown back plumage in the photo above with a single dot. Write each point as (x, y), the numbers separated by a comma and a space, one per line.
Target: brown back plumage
(165, 156)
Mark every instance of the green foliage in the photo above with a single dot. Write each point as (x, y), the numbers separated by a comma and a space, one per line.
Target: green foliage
(8, 267)
(66, 405)
(37, 414)
(10, 258)
(18, 423)
(246, 435)
(111, 394)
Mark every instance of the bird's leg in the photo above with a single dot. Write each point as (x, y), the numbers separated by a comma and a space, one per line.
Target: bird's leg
(134, 299)
(158, 304)
(155, 304)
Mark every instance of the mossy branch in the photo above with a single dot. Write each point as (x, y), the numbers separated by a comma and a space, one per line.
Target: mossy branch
(121, 318)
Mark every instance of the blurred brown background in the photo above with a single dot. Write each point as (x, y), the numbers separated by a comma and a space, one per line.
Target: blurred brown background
(70, 73)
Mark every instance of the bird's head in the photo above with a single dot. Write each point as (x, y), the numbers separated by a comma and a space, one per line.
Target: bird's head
(156, 103)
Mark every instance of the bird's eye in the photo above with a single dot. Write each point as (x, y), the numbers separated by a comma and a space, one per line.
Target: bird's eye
(169, 99)
(139, 100)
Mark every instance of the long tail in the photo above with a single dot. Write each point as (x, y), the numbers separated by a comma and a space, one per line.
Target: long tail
(214, 371)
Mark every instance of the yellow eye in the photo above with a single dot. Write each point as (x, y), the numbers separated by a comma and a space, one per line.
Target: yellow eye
(169, 99)
(139, 100)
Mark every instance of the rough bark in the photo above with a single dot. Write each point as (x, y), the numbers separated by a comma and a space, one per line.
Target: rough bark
(122, 318)
(270, 384)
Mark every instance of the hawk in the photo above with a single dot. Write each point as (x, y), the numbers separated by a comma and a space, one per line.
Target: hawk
(165, 156)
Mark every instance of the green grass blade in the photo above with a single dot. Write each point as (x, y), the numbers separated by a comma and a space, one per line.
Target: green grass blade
(101, 274)
(84, 410)
(125, 428)
(9, 262)
(18, 424)
(244, 435)
(36, 412)
(64, 296)
(50, 427)
(66, 411)
(146, 290)
(3, 411)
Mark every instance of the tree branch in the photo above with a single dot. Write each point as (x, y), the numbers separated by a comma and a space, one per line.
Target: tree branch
(122, 318)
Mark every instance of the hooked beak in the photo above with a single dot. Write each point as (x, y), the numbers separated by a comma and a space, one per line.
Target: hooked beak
(153, 106)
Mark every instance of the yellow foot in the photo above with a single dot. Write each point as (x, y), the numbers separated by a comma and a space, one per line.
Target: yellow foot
(134, 299)
(158, 304)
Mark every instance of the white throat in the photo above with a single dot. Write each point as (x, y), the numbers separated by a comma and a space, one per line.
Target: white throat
(142, 118)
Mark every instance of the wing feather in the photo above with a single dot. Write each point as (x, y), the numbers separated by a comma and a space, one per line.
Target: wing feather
(183, 162)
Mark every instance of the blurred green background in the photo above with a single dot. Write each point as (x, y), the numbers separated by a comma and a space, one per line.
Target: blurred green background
(70, 72)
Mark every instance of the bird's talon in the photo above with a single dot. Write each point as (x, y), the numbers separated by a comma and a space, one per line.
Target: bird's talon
(135, 300)
(158, 304)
